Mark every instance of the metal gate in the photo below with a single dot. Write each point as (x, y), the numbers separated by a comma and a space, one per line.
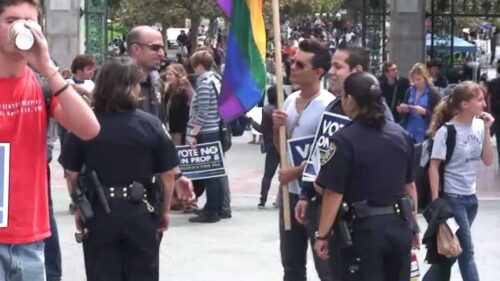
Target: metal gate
(443, 15)
(374, 16)
(96, 28)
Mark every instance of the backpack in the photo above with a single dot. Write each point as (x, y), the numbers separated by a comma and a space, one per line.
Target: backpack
(225, 133)
(421, 165)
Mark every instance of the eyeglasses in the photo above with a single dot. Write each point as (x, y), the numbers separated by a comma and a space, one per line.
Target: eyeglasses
(152, 47)
(299, 64)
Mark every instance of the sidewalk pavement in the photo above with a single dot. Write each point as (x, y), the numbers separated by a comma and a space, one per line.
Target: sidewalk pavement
(246, 247)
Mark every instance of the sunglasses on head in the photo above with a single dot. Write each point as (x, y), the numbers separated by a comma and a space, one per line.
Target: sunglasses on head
(152, 47)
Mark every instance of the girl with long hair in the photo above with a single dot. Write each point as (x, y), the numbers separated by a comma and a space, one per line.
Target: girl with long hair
(178, 93)
(464, 110)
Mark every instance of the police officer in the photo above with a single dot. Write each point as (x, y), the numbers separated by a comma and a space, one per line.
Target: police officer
(121, 241)
(354, 169)
(145, 46)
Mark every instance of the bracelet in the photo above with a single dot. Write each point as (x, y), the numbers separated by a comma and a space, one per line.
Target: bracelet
(64, 88)
(52, 74)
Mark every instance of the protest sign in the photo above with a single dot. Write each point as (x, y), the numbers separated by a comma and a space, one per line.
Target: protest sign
(202, 162)
(323, 148)
(299, 148)
(4, 183)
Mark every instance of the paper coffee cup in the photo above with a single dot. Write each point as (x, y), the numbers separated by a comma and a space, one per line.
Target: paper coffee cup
(20, 35)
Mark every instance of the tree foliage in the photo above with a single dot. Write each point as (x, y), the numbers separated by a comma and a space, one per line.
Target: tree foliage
(297, 8)
(166, 13)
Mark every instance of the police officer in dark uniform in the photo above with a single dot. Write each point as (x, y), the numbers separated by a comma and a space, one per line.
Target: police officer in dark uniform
(354, 171)
(121, 240)
(145, 46)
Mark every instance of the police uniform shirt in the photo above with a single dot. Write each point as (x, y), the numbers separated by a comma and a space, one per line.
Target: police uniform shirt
(131, 146)
(151, 95)
(364, 163)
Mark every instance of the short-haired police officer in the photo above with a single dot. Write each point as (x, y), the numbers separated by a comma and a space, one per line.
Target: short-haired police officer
(122, 242)
(369, 167)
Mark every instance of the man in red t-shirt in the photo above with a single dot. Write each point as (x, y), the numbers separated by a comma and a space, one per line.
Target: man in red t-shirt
(24, 221)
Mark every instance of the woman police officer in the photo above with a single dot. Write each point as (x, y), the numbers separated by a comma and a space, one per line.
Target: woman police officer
(131, 148)
(368, 166)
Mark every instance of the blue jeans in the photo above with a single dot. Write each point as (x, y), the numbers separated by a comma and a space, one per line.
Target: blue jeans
(22, 262)
(464, 208)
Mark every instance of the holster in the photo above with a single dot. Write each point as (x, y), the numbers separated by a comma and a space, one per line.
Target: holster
(342, 227)
(156, 197)
(406, 208)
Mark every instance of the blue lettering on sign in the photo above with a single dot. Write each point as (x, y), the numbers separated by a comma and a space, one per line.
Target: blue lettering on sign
(4, 183)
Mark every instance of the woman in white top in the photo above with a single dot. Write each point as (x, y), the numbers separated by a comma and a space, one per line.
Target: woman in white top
(464, 110)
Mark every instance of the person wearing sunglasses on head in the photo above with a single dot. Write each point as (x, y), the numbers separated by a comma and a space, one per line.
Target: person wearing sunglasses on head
(145, 46)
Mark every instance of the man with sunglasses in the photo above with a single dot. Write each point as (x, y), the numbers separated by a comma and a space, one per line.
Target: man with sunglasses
(300, 115)
(145, 45)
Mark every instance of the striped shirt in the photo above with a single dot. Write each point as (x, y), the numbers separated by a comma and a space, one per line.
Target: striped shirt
(204, 107)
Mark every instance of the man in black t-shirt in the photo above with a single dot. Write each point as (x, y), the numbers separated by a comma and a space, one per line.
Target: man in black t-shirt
(393, 87)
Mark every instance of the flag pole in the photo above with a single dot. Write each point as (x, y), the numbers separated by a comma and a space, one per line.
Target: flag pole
(281, 97)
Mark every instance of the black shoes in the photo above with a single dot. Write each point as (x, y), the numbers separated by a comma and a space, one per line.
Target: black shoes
(261, 205)
(222, 215)
(225, 215)
(205, 217)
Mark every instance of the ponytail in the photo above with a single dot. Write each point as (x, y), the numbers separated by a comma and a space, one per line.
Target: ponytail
(450, 106)
(443, 113)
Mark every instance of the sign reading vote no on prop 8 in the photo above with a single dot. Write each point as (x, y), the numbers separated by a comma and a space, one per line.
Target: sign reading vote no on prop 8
(204, 161)
(4, 183)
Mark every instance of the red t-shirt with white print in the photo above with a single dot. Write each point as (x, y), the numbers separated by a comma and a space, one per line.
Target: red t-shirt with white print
(24, 215)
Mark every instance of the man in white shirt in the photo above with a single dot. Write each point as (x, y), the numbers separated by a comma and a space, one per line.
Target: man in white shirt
(301, 114)
(83, 69)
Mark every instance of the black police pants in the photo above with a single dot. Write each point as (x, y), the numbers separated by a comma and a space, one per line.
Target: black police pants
(122, 246)
(381, 250)
(293, 245)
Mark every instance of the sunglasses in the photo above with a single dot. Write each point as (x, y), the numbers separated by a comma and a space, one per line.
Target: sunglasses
(298, 64)
(152, 47)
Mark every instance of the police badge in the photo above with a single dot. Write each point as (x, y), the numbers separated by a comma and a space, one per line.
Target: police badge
(326, 154)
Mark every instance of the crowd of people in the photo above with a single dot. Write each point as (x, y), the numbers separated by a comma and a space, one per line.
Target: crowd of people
(118, 127)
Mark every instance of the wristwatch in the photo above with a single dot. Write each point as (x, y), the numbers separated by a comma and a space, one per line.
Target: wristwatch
(318, 237)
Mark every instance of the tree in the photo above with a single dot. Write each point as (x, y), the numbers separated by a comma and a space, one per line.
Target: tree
(167, 13)
(297, 8)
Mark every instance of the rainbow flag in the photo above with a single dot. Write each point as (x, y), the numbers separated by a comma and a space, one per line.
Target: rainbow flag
(244, 78)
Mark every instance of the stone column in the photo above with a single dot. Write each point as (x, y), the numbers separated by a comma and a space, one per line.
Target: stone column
(62, 29)
(407, 34)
